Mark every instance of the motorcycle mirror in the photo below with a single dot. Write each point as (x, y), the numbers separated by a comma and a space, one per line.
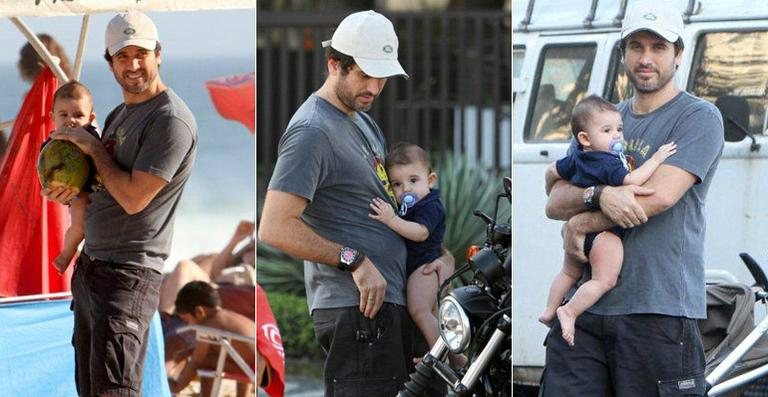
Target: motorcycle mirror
(485, 217)
(508, 185)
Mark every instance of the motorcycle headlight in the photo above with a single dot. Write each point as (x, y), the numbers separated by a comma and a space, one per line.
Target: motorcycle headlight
(454, 325)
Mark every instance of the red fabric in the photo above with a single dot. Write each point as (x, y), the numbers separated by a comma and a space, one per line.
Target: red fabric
(269, 344)
(235, 98)
(31, 227)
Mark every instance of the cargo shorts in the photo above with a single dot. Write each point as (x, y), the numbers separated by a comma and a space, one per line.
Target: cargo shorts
(113, 305)
(364, 357)
(626, 356)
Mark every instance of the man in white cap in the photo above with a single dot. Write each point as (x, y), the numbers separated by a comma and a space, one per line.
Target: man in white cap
(330, 166)
(144, 159)
(641, 338)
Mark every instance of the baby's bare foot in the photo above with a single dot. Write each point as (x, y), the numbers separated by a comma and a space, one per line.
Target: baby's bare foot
(568, 324)
(547, 317)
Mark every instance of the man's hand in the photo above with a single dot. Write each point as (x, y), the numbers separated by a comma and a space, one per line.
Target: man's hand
(620, 205)
(60, 194)
(383, 212)
(79, 136)
(371, 285)
(573, 240)
(440, 267)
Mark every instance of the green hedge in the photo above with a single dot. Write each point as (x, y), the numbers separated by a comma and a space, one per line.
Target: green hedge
(295, 325)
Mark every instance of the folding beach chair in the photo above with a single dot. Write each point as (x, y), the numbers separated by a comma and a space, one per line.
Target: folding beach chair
(223, 339)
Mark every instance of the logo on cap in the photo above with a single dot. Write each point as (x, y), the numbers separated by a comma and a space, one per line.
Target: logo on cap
(129, 31)
(650, 17)
(387, 48)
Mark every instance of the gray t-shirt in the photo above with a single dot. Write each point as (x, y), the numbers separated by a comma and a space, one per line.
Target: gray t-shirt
(663, 269)
(325, 156)
(158, 136)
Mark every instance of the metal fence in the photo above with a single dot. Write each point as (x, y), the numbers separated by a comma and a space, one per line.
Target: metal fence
(458, 96)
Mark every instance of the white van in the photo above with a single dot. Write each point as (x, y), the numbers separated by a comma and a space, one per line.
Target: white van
(564, 50)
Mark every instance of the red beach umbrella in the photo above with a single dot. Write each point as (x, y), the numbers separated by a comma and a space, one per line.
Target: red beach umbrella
(234, 98)
(31, 227)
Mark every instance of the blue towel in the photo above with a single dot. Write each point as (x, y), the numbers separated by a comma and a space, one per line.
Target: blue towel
(37, 358)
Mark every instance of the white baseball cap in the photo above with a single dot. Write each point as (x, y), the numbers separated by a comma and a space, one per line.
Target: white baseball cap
(130, 28)
(659, 17)
(370, 39)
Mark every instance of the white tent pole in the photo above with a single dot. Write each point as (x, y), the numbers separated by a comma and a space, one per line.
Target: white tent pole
(40, 48)
(81, 46)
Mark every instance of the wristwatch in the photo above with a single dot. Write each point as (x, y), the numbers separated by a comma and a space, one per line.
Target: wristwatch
(592, 197)
(350, 259)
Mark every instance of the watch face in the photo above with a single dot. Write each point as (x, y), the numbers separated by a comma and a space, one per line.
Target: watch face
(348, 255)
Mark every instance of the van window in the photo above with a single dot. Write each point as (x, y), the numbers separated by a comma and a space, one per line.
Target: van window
(518, 55)
(561, 81)
(618, 87)
(733, 67)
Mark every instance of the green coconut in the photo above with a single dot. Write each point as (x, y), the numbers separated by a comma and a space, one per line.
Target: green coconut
(62, 163)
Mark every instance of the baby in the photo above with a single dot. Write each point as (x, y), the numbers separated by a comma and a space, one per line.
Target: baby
(72, 108)
(421, 222)
(596, 124)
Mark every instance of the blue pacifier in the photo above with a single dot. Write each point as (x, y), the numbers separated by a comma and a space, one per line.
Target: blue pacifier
(617, 146)
(406, 201)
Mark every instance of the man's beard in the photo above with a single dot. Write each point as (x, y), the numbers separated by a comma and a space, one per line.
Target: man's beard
(135, 89)
(651, 85)
(348, 99)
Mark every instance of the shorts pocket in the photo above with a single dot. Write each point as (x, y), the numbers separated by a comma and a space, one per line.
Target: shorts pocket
(688, 386)
(374, 387)
(122, 351)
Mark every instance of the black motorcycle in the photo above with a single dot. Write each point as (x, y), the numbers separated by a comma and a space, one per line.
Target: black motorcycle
(475, 320)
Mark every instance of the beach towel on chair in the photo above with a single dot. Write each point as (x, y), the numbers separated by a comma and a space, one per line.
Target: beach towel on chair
(269, 344)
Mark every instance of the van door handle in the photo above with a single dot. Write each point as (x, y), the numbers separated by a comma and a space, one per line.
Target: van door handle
(544, 153)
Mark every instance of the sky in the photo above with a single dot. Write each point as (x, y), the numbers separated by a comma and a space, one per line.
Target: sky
(188, 34)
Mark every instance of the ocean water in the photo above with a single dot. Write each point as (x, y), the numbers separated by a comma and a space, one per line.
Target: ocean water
(221, 189)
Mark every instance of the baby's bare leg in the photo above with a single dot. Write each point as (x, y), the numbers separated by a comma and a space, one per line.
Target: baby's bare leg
(421, 298)
(422, 306)
(605, 257)
(73, 235)
(568, 276)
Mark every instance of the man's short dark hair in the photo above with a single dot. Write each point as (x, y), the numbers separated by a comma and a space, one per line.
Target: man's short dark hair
(586, 108)
(73, 90)
(196, 293)
(108, 57)
(404, 153)
(345, 61)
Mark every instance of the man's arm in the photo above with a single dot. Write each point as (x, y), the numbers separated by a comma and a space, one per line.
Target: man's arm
(565, 200)
(668, 185)
(281, 227)
(133, 191)
(550, 177)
